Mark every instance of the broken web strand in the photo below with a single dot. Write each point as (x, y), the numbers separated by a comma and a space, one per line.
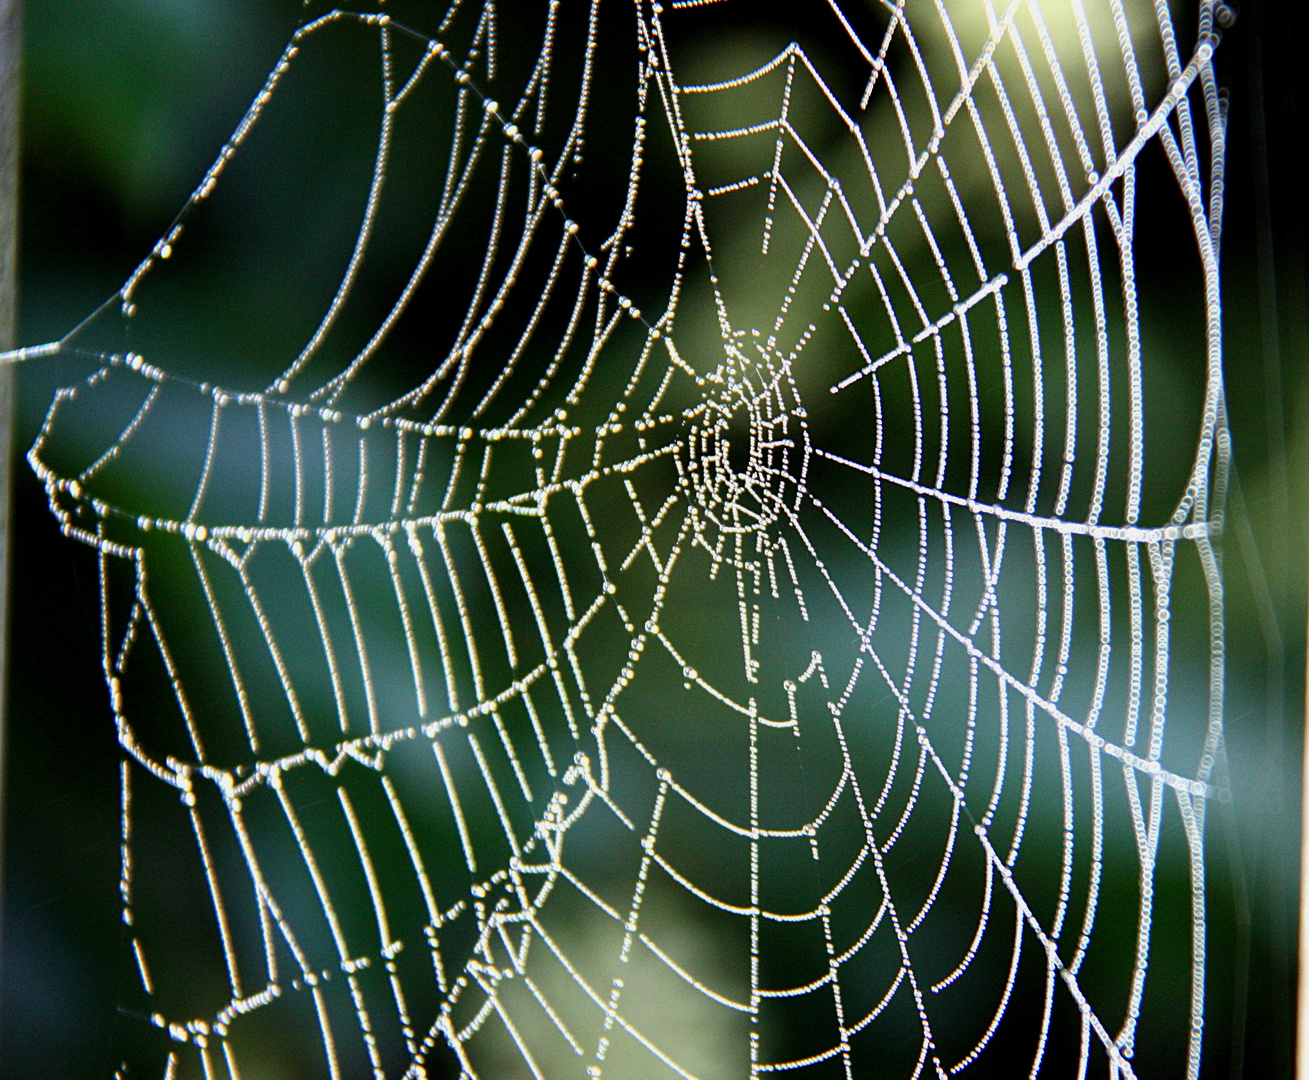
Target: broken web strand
(1190, 525)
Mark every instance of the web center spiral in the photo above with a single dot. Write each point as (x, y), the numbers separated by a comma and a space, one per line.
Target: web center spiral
(744, 452)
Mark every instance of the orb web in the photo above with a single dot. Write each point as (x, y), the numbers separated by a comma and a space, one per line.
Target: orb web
(717, 612)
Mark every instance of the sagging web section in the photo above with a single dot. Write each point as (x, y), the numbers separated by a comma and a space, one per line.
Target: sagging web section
(746, 551)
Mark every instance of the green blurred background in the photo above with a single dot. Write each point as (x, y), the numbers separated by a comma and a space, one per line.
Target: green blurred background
(125, 103)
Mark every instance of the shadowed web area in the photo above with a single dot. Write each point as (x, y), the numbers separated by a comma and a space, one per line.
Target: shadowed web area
(702, 577)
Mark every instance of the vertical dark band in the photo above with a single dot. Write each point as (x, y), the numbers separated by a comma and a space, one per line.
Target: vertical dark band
(10, 64)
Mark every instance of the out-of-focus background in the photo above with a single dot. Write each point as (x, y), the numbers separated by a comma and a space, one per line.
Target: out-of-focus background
(125, 103)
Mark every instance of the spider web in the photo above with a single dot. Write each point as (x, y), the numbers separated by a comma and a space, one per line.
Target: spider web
(739, 636)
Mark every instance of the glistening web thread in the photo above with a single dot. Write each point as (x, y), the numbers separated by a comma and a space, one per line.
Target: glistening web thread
(738, 631)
